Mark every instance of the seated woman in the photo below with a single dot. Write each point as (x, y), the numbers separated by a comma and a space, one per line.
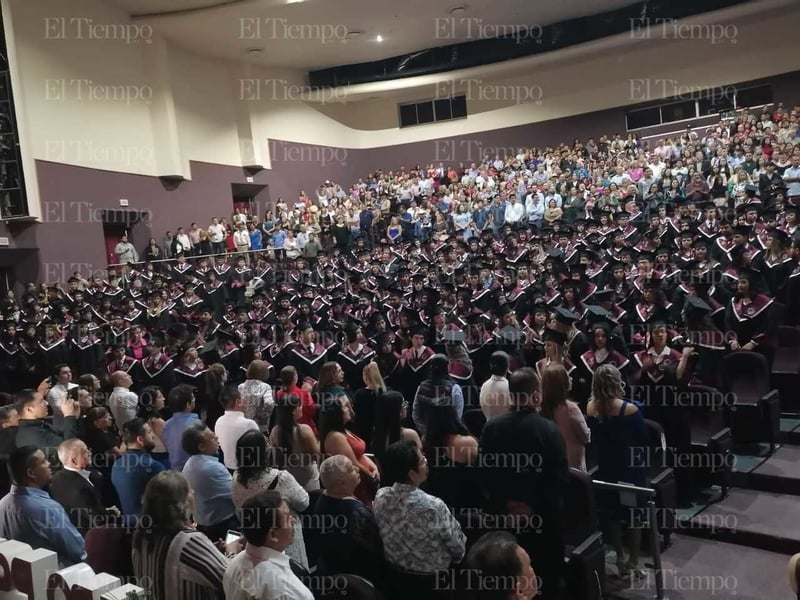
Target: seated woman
(618, 429)
(298, 446)
(179, 562)
(565, 413)
(336, 438)
(450, 451)
(255, 474)
(357, 547)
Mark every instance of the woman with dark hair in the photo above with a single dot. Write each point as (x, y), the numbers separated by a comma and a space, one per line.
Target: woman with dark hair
(105, 445)
(152, 251)
(451, 451)
(151, 405)
(390, 412)
(336, 438)
(297, 443)
(601, 352)
(437, 390)
(179, 562)
(775, 263)
(289, 378)
(256, 474)
(618, 429)
(330, 384)
(211, 407)
(557, 407)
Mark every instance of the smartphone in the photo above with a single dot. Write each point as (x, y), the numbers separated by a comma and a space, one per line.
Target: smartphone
(232, 545)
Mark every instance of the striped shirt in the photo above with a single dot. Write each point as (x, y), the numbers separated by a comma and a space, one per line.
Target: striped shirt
(186, 566)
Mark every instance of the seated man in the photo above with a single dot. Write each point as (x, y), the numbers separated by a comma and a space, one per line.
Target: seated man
(77, 489)
(418, 530)
(28, 514)
(355, 548)
(212, 483)
(136, 467)
(499, 568)
(263, 570)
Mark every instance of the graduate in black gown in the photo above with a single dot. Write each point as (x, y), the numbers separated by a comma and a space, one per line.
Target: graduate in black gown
(87, 350)
(156, 369)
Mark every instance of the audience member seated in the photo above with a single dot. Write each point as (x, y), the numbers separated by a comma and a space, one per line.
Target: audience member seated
(232, 425)
(498, 568)
(256, 474)
(297, 448)
(122, 402)
(451, 453)
(262, 570)
(79, 490)
(178, 562)
(211, 482)
(494, 391)
(151, 405)
(567, 415)
(336, 438)
(136, 467)
(528, 477)
(618, 431)
(28, 514)
(418, 531)
(181, 403)
(35, 431)
(346, 532)
(257, 394)
(438, 389)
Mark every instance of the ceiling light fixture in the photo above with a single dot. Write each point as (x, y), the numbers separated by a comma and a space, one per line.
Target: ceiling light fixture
(457, 10)
(294, 1)
(351, 35)
(379, 38)
(255, 50)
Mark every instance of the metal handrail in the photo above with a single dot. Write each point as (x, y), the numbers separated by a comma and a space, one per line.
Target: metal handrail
(655, 549)
(173, 258)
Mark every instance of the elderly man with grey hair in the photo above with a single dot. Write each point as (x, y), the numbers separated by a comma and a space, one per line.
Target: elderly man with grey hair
(345, 529)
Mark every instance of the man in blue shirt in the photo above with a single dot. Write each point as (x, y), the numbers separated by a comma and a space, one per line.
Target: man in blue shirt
(212, 483)
(135, 467)
(28, 514)
(278, 238)
(181, 403)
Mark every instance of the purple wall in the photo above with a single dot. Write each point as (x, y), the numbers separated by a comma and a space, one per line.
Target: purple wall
(71, 238)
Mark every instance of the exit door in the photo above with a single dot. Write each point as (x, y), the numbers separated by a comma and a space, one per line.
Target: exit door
(113, 232)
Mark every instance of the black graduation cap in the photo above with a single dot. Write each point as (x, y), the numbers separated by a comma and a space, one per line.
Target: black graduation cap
(156, 339)
(697, 305)
(751, 275)
(565, 316)
(648, 256)
(555, 253)
(223, 335)
(409, 314)
(604, 295)
(622, 215)
(792, 209)
(743, 230)
(597, 314)
(476, 318)
(505, 309)
(553, 335)
(778, 234)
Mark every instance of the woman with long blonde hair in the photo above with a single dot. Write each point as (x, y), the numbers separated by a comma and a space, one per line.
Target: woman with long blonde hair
(619, 434)
(365, 400)
(556, 406)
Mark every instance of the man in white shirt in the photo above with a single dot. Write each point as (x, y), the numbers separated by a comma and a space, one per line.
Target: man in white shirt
(515, 212)
(183, 240)
(495, 398)
(230, 426)
(791, 177)
(216, 235)
(122, 402)
(534, 207)
(62, 376)
(262, 570)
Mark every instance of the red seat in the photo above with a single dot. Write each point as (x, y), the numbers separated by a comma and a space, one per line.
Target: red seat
(108, 550)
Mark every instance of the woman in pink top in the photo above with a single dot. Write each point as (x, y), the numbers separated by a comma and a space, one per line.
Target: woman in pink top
(564, 413)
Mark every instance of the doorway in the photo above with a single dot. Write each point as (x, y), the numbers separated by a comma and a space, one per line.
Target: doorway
(112, 233)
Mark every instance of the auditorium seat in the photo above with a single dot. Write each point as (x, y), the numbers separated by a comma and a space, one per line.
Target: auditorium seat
(712, 441)
(661, 478)
(584, 551)
(108, 550)
(345, 585)
(408, 585)
(786, 365)
(755, 415)
(474, 419)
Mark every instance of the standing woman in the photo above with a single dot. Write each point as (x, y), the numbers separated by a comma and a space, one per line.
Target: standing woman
(214, 381)
(366, 399)
(390, 413)
(618, 428)
(179, 562)
(257, 394)
(151, 403)
(152, 251)
(298, 445)
(336, 438)
(289, 379)
(557, 407)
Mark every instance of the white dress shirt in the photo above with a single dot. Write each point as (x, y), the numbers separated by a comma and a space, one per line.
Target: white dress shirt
(261, 573)
(229, 428)
(123, 404)
(54, 397)
(495, 398)
(216, 233)
(514, 212)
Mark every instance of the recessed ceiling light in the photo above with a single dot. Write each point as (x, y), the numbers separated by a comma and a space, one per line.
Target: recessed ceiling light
(255, 50)
(456, 10)
(294, 1)
(379, 38)
(351, 35)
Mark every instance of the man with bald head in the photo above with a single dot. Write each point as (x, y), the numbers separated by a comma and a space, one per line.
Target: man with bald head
(122, 402)
(77, 489)
(347, 532)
